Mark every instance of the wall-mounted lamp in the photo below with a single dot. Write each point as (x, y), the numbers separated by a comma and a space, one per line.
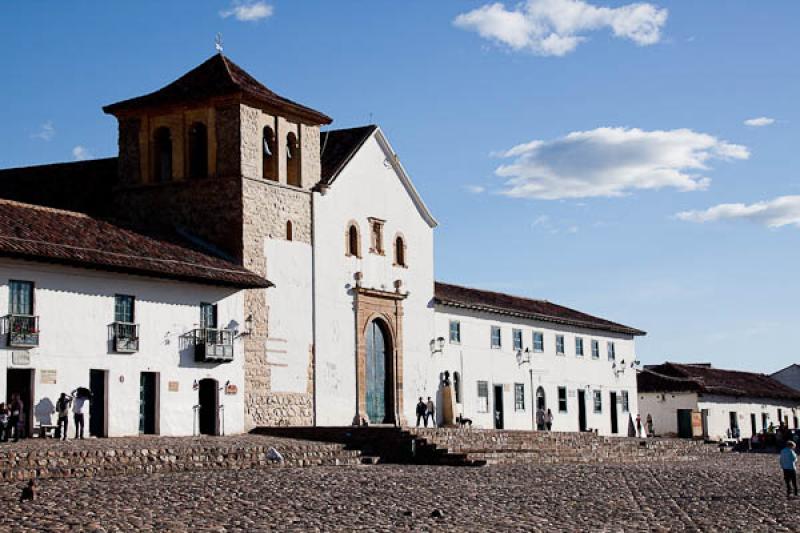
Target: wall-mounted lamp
(524, 357)
(248, 324)
(437, 345)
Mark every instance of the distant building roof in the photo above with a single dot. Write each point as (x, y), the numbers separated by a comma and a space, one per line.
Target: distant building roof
(676, 377)
(506, 304)
(64, 237)
(337, 147)
(217, 76)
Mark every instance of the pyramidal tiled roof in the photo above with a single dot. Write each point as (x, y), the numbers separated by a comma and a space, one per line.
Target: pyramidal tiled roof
(218, 76)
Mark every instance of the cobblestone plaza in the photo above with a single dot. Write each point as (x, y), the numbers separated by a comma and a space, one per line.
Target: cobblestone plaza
(725, 492)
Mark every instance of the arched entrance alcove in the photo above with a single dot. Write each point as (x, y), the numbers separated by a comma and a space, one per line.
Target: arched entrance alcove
(379, 373)
(541, 402)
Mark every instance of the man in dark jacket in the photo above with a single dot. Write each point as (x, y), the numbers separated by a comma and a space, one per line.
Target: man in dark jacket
(422, 410)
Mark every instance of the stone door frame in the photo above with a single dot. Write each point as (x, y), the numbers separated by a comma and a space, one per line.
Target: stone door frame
(387, 306)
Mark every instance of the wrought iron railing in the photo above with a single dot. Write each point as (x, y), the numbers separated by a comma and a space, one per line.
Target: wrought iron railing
(22, 331)
(212, 345)
(124, 337)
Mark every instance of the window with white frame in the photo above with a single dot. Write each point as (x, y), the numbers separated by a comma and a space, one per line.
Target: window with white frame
(598, 401)
(517, 333)
(496, 339)
(595, 349)
(538, 341)
(560, 344)
(455, 332)
(562, 399)
(483, 396)
(578, 346)
(612, 353)
(625, 402)
(519, 396)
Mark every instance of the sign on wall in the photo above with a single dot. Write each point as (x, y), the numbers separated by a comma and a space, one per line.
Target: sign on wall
(48, 377)
(20, 358)
(230, 388)
(173, 386)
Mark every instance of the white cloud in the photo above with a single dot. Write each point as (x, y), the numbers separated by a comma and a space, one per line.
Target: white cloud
(781, 211)
(46, 132)
(80, 153)
(556, 27)
(248, 11)
(613, 162)
(759, 121)
(475, 189)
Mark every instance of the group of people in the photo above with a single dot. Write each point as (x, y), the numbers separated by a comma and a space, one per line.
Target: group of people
(544, 420)
(426, 411)
(648, 426)
(13, 423)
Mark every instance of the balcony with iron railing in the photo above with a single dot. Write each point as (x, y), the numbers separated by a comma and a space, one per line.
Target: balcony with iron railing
(21, 331)
(124, 337)
(211, 345)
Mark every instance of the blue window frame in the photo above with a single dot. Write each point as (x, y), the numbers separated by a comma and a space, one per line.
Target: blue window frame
(595, 349)
(560, 344)
(496, 338)
(455, 332)
(517, 339)
(538, 341)
(579, 346)
(612, 353)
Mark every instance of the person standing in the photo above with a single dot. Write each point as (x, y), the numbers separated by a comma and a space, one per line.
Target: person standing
(649, 426)
(540, 419)
(62, 409)
(548, 420)
(78, 411)
(788, 460)
(639, 426)
(15, 420)
(421, 410)
(430, 411)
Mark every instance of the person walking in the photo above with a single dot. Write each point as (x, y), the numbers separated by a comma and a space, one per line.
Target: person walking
(79, 410)
(430, 411)
(540, 419)
(15, 419)
(639, 426)
(788, 460)
(62, 409)
(421, 410)
(548, 420)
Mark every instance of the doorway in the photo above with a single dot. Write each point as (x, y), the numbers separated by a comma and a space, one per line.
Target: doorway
(753, 426)
(97, 403)
(685, 423)
(209, 406)
(380, 400)
(148, 402)
(582, 410)
(498, 407)
(613, 408)
(20, 381)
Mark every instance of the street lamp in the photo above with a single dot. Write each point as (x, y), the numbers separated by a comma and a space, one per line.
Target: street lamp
(524, 358)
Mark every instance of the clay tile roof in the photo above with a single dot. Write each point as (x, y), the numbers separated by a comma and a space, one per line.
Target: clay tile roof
(676, 377)
(506, 304)
(337, 147)
(45, 234)
(218, 76)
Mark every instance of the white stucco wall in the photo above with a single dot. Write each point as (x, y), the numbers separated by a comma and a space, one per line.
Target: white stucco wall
(368, 188)
(664, 408)
(475, 360)
(75, 307)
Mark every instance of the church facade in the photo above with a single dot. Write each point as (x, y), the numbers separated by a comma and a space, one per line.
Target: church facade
(334, 316)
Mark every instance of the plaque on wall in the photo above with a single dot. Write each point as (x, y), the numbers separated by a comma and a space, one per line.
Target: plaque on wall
(48, 377)
(20, 358)
(173, 386)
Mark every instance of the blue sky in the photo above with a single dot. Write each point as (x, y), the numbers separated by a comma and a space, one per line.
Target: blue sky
(628, 123)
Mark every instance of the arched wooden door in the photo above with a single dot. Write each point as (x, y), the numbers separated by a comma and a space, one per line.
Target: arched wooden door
(379, 374)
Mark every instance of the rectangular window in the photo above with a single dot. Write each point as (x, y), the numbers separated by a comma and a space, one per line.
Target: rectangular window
(625, 402)
(562, 399)
(560, 344)
(208, 316)
(483, 397)
(376, 231)
(124, 308)
(612, 353)
(455, 332)
(20, 297)
(538, 341)
(519, 396)
(595, 349)
(517, 339)
(496, 337)
(598, 402)
(579, 346)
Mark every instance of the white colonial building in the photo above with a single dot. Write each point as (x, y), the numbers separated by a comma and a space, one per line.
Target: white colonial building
(703, 402)
(144, 278)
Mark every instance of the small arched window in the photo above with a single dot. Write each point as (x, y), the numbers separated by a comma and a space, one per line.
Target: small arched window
(400, 251)
(288, 230)
(457, 386)
(162, 155)
(198, 150)
(353, 241)
(270, 170)
(292, 160)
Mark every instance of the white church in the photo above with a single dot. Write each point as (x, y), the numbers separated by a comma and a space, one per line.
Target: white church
(236, 266)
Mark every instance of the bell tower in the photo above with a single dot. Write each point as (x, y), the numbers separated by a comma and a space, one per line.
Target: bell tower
(217, 158)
